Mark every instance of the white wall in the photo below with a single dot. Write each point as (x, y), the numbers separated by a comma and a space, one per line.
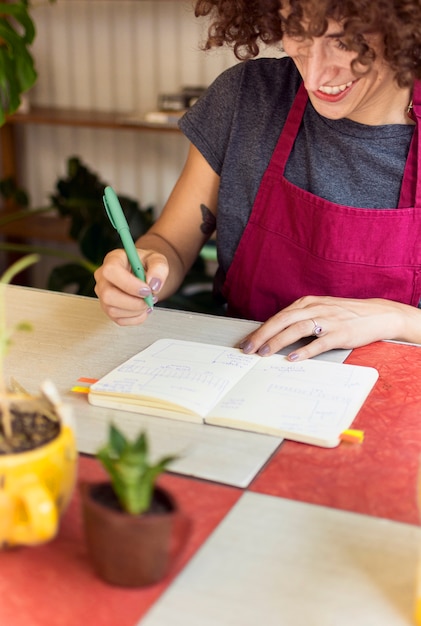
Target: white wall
(113, 55)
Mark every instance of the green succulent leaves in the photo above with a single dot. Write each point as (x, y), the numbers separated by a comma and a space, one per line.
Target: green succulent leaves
(132, 475)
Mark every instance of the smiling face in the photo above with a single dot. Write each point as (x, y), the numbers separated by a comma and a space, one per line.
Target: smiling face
(335, 91)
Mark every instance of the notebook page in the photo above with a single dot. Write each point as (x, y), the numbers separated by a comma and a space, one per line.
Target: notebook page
(310, 401)
(192, 375)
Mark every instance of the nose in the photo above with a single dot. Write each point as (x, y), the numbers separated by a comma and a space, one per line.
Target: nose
(317, 67)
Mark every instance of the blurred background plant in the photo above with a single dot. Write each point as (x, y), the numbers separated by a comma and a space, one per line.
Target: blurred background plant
(78, 198)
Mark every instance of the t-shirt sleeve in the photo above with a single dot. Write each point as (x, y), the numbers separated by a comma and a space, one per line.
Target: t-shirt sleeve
(208, 123)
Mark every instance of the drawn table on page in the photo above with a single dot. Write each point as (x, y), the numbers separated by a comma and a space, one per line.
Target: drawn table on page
(309, 401)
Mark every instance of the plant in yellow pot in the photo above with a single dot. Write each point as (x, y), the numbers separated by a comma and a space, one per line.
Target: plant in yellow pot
(134, 529)
(38, 458)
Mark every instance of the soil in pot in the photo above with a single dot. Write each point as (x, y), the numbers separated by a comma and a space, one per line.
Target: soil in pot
(31, 429)
(38, 468)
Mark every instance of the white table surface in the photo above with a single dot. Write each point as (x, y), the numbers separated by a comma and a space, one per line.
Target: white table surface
(72, 337)
(277, 562)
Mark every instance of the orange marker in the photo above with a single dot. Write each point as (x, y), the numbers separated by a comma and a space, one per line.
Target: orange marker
(352, 436)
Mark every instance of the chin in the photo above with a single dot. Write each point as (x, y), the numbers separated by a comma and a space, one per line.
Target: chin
(331, 111)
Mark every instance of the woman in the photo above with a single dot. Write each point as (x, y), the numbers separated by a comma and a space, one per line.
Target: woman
(307, 165)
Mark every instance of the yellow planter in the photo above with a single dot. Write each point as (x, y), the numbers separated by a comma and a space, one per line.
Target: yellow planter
(35, 488)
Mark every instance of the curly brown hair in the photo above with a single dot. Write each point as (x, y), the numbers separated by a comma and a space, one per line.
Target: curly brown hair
(246, 24)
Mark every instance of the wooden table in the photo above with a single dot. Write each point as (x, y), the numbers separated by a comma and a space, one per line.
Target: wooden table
(283, 533)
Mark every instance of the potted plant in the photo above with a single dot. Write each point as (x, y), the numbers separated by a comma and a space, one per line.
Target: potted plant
(38, 458)
(17, 67)
(134, 528)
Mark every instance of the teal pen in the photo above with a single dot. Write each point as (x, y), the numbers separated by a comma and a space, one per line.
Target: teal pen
(118, 220)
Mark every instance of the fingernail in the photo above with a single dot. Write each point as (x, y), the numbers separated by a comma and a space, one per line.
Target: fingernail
(149, 311)
(154, 299)
(155, 284)
(246, 346)
(145, 291)
(293, 356)
(263, 351)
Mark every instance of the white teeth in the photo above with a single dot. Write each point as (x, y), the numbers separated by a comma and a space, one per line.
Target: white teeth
(334, 90)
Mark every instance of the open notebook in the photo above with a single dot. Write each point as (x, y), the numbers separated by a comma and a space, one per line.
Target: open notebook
(310, 401)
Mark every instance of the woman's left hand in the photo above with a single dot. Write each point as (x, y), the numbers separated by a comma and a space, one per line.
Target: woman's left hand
(334, 323)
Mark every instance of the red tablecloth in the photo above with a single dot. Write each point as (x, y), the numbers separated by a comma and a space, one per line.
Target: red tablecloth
(54, 585)
(378, 477)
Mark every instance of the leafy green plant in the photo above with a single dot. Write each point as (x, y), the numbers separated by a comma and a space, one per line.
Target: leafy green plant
(6, 335)
(78, 197)
(132, 474)
(17, 67)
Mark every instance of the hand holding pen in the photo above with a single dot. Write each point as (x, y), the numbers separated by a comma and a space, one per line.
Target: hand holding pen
(118, 220)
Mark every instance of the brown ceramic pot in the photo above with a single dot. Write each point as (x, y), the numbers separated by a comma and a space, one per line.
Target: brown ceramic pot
(131, 550)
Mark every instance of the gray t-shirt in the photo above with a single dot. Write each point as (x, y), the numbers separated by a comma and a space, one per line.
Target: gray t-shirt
(236, 125)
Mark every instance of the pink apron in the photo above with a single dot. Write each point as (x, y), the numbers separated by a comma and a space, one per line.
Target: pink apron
(298, 244)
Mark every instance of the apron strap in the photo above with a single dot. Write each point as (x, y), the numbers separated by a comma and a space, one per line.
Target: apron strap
(411, 183)
(289, 133)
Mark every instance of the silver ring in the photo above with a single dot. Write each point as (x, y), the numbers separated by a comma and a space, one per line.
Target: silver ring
(317, 330)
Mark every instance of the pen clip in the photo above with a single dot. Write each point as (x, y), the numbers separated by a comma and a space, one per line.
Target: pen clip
(107, 208)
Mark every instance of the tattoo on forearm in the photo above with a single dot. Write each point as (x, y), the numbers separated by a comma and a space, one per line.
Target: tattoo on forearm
(208, 220)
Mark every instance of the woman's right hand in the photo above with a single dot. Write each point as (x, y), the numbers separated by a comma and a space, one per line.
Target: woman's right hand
(121, 294)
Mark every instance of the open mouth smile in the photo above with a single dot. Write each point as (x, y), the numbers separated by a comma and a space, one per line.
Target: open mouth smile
(334, 90)
(333, 93)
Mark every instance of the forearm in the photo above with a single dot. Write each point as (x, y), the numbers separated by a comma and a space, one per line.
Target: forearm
(410, 321)
(154, 242)
(186, 222)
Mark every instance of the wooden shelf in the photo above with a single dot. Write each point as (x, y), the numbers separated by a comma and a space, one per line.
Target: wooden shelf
(51, 228)
(55, 116)
(83, 118)
(45, 228)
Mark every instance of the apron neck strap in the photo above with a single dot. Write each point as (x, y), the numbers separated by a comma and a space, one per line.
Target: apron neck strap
(289, 132)
(411, 183)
